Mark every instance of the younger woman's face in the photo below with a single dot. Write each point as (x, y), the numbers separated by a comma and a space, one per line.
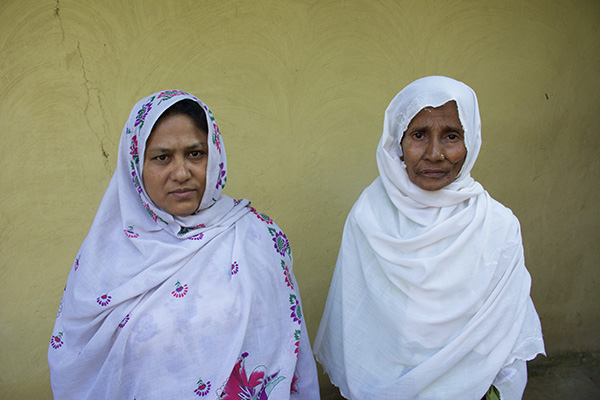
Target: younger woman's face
(434, 147)
(175, 159)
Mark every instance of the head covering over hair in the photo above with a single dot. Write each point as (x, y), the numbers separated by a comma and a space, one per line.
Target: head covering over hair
(430, 295)
(164, 307)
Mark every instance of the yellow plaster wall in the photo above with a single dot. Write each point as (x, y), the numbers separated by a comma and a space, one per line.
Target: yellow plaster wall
(299, 89)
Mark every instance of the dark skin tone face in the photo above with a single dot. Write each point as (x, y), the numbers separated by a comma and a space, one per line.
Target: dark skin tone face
(434, 147)
(175, 162)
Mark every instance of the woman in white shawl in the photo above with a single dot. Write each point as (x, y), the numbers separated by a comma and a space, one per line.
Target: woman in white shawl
(430, 295)
(178, 291)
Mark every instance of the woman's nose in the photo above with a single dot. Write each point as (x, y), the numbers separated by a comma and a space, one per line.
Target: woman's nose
(435, 150)
(181, 171)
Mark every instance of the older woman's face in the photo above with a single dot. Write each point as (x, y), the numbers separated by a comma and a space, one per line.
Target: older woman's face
(175, 160)
(434, 147)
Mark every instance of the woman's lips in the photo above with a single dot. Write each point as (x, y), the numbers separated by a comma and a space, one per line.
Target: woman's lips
(182, 194)
(434, 173)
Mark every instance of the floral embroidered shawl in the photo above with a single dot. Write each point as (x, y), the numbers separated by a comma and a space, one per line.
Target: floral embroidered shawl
(164, 307)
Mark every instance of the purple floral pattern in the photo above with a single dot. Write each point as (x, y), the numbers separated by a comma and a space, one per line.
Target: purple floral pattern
(134, 178)
(180, 290)
(197, 236)
(296, 314)
(203, 388)
(282, 244)
(56, 341)
(142, 113)
(104, 300)
(124, 321)
(234, 268)
(76, 266)
(222, 178)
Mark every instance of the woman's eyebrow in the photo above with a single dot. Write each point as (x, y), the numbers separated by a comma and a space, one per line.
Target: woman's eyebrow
(419, 128)
(195, 145)
(167, 149)
(455, 128)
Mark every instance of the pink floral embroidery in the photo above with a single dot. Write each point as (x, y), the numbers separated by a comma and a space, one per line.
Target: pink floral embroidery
(130, 233)
(56, 341)
(297, 334)
(203, 388)
(234, 268)
(133, 149)
(152, 214)
(216, 137)
(241, 386)
(76, 265)
(104, 300)
(124, 322)
(296, 314)
(288, 276)
(180, 290)
(167, 94)
(295, 379)
(263, 217)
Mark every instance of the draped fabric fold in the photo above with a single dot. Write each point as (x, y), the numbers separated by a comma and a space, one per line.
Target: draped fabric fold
(430, 295)
(161, 307)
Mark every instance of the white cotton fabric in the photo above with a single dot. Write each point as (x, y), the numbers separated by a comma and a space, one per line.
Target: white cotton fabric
(157, 307)
(430, 294)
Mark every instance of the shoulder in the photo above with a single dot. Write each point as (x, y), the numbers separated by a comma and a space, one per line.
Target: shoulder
(501, 215)
(268, 232)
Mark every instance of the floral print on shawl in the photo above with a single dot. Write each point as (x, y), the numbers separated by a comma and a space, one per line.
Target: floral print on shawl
(203, 388)
(197, 265)
(256, 386)
(56, 342)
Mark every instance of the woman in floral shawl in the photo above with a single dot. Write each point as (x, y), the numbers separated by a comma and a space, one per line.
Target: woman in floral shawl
(179, 291)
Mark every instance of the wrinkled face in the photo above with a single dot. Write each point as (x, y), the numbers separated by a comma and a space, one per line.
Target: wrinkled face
(175, 160)
(434, 147)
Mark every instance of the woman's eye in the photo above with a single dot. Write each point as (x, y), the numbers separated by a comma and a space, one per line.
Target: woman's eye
(161, 158)
(196, 153)
(418, 135)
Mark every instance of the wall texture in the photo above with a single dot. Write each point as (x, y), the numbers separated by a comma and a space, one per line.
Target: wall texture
(299, 89)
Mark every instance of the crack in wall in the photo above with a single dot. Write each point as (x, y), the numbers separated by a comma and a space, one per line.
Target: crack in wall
(89, 89)
(57, 15)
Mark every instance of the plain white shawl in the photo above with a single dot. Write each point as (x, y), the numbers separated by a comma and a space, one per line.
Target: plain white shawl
(158, 307)
(430, 295)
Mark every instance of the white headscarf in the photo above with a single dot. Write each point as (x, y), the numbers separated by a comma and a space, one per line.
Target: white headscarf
(430, 295)
(164, 307)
